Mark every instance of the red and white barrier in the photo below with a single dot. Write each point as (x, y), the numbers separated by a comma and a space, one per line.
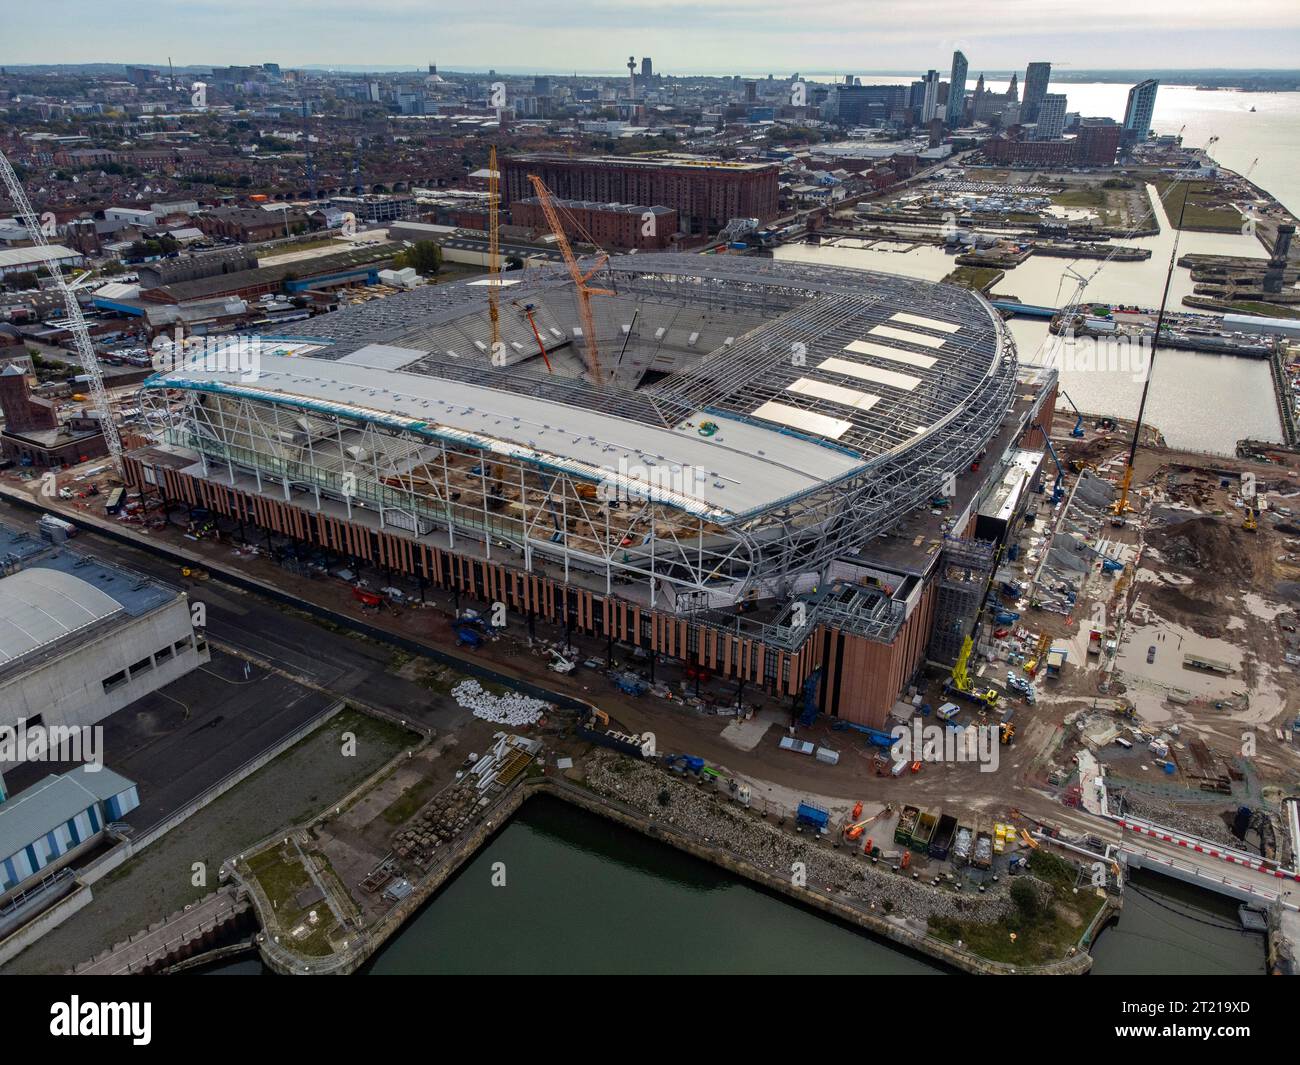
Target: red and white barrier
(1248, 861)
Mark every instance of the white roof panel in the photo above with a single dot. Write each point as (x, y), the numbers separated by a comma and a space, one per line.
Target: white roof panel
(864, 372)
(907, 336)
(925, 323)
(848, 397)
(383, 356)
(884, 351)
(805, 420)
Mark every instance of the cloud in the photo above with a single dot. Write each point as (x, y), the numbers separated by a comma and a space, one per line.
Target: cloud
(682, 35)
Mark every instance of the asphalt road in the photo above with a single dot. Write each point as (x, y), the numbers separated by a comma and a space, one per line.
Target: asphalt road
(320, 658)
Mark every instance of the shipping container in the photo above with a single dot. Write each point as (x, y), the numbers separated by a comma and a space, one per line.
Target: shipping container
(812, 815)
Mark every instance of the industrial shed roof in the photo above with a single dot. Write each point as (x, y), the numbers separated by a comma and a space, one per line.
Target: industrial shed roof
(53, 801)
(41, 606)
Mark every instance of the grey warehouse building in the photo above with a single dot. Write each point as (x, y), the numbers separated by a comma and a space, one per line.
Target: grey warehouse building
(80, 639)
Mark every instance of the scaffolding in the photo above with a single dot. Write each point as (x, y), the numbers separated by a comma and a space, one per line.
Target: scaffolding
(965, 569)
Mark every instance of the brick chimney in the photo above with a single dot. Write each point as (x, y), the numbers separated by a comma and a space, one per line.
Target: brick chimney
(23, 414)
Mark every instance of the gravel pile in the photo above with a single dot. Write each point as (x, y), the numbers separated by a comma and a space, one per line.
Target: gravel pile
(513, 708)
(768, 846)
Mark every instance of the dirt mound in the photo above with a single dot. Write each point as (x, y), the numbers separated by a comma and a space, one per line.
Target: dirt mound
(1209, 549)
(1200, 614)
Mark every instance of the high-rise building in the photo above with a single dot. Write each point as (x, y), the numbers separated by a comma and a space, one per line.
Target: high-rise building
(647, 68)
(1051, 117)
(930, 105)
(916, 99)
(956, 91)
(1037, 75)
(1137, 115)
(859, 105)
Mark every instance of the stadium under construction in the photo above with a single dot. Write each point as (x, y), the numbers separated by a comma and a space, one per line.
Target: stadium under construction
(747, 479)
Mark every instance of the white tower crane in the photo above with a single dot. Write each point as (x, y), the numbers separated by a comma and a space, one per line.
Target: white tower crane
(77, 324)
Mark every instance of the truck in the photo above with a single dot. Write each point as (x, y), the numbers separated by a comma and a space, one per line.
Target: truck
(55, 530)
(1055, 661)
(982, 854)
(810, 815)
(1094, 642)
(941, 844)
(923, 833)
(963, 844)
(906, 822)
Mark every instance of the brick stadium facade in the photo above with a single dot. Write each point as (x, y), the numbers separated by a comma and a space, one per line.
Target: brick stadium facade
(705, 194)
(860, 679)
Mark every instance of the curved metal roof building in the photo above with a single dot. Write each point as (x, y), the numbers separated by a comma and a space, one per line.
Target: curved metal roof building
(751, 421)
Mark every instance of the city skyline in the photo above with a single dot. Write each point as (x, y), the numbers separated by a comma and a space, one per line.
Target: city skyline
(549, 37)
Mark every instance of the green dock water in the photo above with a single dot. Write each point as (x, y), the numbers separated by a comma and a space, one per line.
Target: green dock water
(583, 896)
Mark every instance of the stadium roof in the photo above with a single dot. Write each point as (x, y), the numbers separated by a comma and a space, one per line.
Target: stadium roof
(740, 467)
(809, 373)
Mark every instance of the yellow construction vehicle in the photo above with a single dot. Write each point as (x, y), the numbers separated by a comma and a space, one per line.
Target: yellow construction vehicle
(961, 682)
(1252, 520)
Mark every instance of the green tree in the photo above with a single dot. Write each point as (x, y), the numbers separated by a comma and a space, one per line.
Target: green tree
(424, 255)
(1025, 898)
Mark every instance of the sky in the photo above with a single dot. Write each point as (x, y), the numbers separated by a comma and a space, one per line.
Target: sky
(682, 36)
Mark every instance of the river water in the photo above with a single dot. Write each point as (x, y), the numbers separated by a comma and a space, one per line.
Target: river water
(1199, 401)
(584, 896)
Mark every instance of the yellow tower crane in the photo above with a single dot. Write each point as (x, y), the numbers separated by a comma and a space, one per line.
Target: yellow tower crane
(494, 258)
(584, 291)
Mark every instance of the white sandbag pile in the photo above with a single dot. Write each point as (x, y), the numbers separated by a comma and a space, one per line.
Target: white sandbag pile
(513, 708)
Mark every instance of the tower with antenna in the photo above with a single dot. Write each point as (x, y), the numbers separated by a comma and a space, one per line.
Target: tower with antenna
(631, 77)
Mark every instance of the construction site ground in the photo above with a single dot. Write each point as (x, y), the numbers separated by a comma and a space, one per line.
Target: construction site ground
(1203, 580)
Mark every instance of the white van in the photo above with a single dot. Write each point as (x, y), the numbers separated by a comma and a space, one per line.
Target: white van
(948, 711)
